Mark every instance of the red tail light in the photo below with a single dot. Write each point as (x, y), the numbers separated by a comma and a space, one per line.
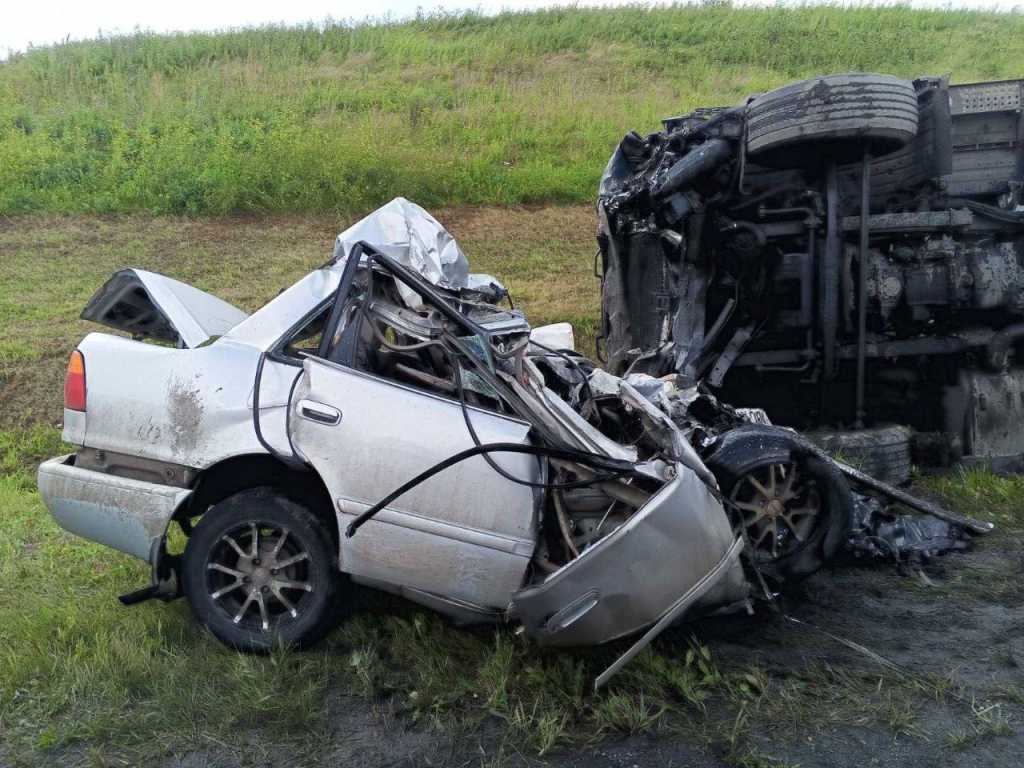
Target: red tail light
(74, 383)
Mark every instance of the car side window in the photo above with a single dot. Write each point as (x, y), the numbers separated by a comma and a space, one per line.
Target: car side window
(306, 340)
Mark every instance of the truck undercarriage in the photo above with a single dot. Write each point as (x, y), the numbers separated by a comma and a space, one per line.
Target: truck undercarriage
(734, 253)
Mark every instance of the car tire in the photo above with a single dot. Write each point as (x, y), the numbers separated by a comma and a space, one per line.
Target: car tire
(835, 116)
(260, 571)
(882, 452)
(745, 452)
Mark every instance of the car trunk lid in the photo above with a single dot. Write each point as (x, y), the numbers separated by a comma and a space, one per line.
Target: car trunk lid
(150, 305)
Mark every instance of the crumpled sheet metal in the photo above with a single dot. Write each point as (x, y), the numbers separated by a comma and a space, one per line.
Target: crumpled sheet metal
(412, 237)
(634, 575)
(661, 427)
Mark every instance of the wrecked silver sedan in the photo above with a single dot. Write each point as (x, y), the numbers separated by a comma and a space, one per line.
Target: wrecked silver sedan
(391, 420)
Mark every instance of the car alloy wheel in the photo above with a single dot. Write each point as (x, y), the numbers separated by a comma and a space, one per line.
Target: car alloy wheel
(257, 575)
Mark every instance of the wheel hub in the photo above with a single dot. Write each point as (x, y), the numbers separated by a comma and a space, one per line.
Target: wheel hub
(260, 577)
(775, 509)
(259, 568)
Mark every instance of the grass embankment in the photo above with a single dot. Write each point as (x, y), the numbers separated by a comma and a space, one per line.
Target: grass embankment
(446, 109)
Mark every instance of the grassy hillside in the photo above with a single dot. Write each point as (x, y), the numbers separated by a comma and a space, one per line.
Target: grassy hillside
(445, 109)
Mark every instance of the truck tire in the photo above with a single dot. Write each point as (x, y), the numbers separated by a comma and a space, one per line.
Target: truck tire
(896, 178)
(882, 452)
(260, 571)
(802, 545)
(837, 116)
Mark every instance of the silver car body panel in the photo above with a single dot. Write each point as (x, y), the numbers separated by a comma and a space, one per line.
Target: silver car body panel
(412, 237)
(467, 533)
(74, 427)
(693, 594)
(458, 611)
(147, 303)
(633, 576)
(269, 323)
(558, 416)
(191, 407)
(130, 516)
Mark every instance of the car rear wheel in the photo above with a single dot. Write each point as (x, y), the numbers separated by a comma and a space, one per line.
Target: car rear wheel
(259, 570)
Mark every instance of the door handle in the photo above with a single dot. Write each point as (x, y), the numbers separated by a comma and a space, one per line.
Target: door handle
(318, 412)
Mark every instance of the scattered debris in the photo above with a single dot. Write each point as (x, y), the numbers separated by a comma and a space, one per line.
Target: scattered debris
(880, 533)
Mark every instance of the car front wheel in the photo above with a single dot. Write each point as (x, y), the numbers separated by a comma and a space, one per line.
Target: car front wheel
(792, 508)
(260, 570)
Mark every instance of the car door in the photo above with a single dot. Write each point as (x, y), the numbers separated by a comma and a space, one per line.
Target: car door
(467, 533)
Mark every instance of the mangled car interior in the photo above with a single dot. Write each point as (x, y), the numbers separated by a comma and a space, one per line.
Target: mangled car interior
(394, 420)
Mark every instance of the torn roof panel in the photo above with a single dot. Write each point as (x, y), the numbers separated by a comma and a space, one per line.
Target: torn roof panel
(412, 237)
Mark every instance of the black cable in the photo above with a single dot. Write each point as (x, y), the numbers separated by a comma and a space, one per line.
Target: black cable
(288, 414)
(504, 473)
(292, 461)
(613, 466)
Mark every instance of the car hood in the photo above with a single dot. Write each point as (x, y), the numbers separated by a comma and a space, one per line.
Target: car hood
(155, 306)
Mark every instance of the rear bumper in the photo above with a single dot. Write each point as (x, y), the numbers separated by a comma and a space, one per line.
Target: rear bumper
(130, 516)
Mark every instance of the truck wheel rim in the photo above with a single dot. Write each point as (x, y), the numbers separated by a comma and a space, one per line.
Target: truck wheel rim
(776, 508)
(258, 576)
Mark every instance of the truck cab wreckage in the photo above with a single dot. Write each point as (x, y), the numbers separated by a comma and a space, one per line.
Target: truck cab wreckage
(845, 252)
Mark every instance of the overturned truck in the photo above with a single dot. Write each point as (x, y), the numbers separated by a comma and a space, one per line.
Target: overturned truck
(845, 252)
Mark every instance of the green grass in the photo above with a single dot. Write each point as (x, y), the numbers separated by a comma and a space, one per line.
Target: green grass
(83, 677)
(444, 109)
(998, 499)
(21, 451)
